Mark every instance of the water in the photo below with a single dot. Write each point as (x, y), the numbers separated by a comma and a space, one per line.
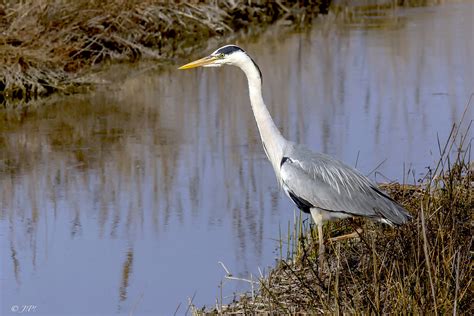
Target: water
(125, 200)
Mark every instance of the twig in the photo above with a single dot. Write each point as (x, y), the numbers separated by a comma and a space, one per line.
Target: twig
(190, 303)
(427, 257)
(229, 276)
(456, 290)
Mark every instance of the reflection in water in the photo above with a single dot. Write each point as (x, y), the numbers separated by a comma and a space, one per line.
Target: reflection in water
(126, 271)
(172, 164)
(16, 263)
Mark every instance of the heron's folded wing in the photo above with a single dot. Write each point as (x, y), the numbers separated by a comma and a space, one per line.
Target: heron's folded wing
(331, 185)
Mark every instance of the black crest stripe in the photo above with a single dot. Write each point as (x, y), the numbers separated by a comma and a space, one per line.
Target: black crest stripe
(232, 49)
(229, 49)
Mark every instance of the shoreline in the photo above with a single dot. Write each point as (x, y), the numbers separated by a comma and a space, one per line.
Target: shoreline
(52, 47)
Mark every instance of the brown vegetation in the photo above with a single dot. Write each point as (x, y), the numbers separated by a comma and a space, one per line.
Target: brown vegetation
(46, 45)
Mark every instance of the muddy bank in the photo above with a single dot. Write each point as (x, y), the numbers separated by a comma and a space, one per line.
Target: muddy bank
(49, 46)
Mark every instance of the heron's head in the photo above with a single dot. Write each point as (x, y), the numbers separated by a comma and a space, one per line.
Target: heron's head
(226, 55)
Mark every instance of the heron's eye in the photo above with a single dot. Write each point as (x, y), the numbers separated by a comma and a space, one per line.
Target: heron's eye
(221, 55)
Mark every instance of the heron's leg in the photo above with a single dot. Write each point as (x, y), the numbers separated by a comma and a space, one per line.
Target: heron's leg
(347, 236)
(355, 234)
(321, 239)
(318, 220)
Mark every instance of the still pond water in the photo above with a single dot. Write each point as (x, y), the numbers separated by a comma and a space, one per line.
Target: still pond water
(125, 200)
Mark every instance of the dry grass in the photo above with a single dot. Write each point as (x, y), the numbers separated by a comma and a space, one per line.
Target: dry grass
(47, 45)
(423, 267)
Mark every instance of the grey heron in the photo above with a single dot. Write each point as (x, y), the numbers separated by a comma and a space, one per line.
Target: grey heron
(317, 183)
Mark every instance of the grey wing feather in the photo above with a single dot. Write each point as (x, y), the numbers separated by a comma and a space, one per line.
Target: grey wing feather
(330, 185)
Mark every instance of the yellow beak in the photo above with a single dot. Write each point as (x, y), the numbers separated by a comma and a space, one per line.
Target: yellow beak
(199, 63)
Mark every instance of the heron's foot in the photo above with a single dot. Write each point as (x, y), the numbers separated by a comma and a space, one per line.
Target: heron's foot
(347, 236)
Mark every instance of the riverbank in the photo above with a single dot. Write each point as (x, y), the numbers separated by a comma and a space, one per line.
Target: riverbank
(57, 46)
(49, 47)
(423, 267)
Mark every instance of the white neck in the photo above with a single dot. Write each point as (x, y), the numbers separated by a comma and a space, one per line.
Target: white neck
(273, 141)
